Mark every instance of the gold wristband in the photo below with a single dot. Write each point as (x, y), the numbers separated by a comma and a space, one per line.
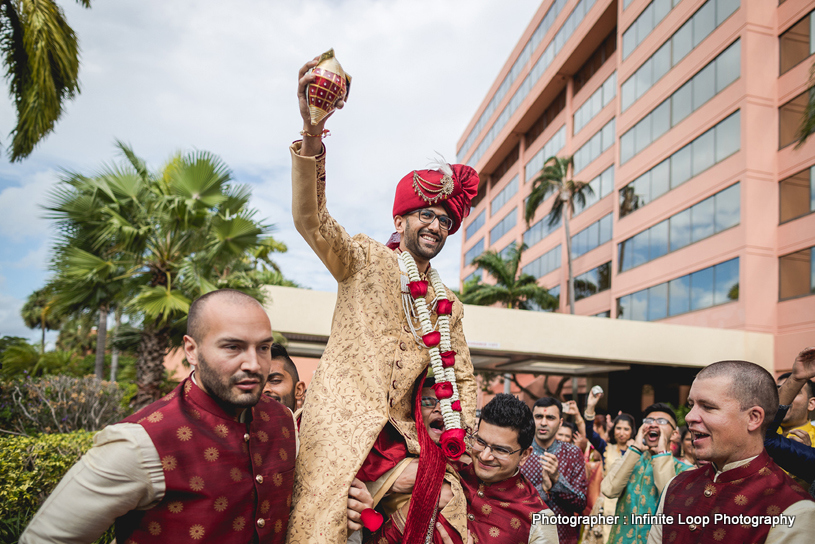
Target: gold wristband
(322, 134)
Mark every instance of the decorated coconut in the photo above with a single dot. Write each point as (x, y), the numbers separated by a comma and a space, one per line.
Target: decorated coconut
(330, 84)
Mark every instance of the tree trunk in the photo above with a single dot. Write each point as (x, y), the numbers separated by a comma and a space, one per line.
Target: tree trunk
(150, 365)
(570, 287)
(114, 354)
(42, 325)
(101, 337)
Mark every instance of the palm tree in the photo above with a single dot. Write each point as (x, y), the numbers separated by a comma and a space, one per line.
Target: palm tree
(38, 312)
(157, 241)
(556, 178)
(513, 290)
(41, 57)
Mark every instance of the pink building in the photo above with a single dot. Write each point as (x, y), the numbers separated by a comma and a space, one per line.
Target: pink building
(683, 115)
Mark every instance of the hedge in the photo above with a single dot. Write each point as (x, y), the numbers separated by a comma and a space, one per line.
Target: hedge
(30, 468)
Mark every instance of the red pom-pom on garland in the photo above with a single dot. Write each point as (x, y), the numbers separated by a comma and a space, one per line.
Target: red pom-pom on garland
(371, 519)
(448, 359)
(452, 443)
(444, 307)
(444, 390)
(456, 406)
(418, 289)
(432, 339)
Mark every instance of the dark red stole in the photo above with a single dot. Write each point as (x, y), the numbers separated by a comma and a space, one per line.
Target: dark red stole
(226, 481)
(759, 488)
(500, 512)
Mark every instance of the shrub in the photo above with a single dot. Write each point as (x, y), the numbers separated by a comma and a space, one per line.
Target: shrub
(60, 404)
(30, 468)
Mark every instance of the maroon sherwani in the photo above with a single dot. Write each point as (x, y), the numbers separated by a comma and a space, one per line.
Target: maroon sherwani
(226, 481)
(759, 488)
(500, 512)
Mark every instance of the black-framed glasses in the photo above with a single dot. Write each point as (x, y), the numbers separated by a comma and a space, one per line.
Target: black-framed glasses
(429, 402)
(499, 452)
(427, 216)
(658, 421)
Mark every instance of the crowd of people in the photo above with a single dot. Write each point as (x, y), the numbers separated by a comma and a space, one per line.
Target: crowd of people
(385, 446)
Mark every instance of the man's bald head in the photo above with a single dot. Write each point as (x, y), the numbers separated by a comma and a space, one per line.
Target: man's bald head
(750, 384)
(196, 324)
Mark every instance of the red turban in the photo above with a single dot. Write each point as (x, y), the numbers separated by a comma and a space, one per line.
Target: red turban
(424, 188)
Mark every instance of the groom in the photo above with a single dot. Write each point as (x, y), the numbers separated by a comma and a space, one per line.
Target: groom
(394, 319)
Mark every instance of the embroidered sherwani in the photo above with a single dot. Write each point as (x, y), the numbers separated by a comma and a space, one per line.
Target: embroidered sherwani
(368, 369)
(755, 486)
(180, 470)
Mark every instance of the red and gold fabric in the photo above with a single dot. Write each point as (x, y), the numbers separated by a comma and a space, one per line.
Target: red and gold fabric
(226, 480)
(757, 488)
(500, 512)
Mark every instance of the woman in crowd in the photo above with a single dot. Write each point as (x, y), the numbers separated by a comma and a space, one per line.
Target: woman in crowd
(687, 452)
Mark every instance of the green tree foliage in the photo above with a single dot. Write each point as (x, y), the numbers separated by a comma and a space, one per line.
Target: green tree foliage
(556, 179)
(511, 289)
(41, 58)
(30, 468)
(38, 313)
(153, 242)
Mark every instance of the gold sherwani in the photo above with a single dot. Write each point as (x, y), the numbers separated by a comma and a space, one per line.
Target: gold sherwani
(366, 375)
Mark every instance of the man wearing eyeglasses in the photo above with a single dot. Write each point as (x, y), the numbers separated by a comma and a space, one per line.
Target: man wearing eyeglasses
(556, 469)
(500, 500)
(359, 403)
(639, 477)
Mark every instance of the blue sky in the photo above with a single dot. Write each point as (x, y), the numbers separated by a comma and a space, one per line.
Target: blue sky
(168, 76)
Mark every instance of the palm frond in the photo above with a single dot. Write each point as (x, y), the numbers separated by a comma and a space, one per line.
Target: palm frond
(161, 304)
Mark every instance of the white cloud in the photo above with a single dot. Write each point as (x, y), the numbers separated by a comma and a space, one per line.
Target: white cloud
(206, 74)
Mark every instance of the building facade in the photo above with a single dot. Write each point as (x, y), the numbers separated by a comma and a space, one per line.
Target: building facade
(683, 116)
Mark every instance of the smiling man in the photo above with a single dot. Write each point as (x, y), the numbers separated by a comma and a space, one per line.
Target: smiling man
(393, 317)
(284, 383)
(210, 462)
(638, 478)
(500, 500)
(742, 492)
(556, 469)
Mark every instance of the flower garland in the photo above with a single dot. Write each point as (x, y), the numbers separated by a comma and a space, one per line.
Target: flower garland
(442, 356)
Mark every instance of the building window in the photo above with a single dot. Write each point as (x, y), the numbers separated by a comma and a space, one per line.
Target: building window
(797, 195)
(504, 253)
(790, 116)
(595, 103)
(592, 282)
(546, 118)
(601, 186)
(474, 252)
(710, 216)
(598, 58)
(725, 139)
(476, 224)
(544, 264)
(597, 144)
(650, 17)
(504, 226)
(478, 274)
(706, 19)
(543, 62)
(549, 149)
(517, 67)
(539, 231)
(607, 313)
(796, 274)
(704, 85)
(797, 43)
(705, 288)
(595, 235)
(504, 195)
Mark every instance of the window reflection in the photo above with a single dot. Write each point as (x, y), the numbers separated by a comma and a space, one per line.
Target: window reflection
(504, 226)
(544, 264)
(790, 116)
(796, 274)
(477, 223)
(592, 282)
(596, 234)
(474, 252)
(705, 288)
(706, 218)
(796, 44)
(797, 195)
